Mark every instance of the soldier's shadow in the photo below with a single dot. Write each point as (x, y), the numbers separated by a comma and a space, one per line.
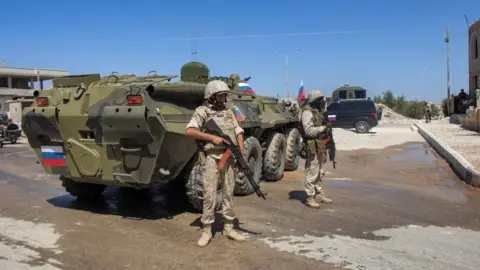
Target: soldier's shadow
(298, 195)
(217, 226)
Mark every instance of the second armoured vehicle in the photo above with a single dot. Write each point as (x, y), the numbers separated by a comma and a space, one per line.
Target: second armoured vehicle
(129, 131)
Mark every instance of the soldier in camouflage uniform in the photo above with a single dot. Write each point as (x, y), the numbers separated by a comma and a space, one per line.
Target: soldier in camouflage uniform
(428, 112)
(234, 79)
(214, 146)
(313, 124)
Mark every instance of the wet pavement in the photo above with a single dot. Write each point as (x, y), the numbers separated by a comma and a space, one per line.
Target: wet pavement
(400, 207)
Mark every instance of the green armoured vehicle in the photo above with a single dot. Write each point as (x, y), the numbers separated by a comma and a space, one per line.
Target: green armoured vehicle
(130, 131)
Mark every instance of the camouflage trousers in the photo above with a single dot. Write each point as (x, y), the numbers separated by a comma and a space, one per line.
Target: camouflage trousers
(211, 179)
(314, 173)
(428, 116)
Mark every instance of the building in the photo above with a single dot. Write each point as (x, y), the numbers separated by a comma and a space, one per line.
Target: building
(16, 82)
(474, 57)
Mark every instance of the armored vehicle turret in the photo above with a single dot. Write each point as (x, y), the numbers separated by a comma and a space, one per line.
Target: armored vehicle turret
(129, 131)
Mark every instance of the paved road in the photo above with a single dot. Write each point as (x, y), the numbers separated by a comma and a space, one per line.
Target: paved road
(400, 208)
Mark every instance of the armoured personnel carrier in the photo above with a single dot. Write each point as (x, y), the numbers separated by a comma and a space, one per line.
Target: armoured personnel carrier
(129, 131)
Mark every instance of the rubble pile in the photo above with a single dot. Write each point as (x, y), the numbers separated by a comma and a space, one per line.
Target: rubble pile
(390, 116)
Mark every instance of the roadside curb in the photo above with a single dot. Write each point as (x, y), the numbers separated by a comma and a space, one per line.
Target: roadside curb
(460, 165)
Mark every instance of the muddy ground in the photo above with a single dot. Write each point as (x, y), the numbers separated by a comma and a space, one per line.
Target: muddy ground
(400, 207)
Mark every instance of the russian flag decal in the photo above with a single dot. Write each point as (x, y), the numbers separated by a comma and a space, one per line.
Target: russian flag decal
(53, 156)
(238, 114)
(332, 118)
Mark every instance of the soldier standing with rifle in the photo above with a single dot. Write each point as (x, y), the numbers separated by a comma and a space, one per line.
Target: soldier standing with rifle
(214, 146)
(428, 112)
(313, 126)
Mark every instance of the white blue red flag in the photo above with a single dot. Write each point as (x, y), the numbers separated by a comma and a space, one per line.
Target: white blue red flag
(246, 87)
(301, 93)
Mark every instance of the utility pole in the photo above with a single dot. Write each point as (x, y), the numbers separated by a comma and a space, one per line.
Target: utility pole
(287, 91)
(447, 40)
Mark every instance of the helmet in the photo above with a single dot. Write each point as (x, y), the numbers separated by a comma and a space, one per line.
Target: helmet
(215, 87)
(315, 94)
(234, 76)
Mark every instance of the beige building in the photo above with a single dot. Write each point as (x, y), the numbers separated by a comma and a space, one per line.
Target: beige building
(474, 57)
(16, 82)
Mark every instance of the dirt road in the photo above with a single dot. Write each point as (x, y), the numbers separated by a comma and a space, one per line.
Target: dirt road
(398, 207)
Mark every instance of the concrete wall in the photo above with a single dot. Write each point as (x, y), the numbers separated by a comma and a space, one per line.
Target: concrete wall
(3, 99)
(474, 57)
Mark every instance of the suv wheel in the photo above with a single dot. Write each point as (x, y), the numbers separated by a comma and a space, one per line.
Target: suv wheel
(362, 127)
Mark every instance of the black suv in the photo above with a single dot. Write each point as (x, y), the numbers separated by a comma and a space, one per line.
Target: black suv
(358, 113)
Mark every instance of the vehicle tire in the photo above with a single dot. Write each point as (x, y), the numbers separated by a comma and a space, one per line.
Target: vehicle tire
(274, 159)
(292, 158)
(194, 186)
(83, 191)
(13, 140)
(362, 127)
(253, 156)
(1, 144)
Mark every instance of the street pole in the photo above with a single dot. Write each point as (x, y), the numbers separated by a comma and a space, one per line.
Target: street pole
(287, 91)
(286, 71)
(447, 40)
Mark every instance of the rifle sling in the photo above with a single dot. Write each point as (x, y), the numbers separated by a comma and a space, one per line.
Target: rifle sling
(223, 160)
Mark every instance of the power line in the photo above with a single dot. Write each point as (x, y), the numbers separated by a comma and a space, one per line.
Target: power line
(277, 35)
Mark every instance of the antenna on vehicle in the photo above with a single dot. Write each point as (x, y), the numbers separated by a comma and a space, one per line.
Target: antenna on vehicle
(194, 49)
(466, 20)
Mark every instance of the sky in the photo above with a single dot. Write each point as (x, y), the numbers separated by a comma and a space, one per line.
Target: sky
(380, 45)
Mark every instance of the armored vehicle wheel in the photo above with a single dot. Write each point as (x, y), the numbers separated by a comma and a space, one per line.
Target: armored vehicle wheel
(293, 146)
(274, 160)
(194, 187)
(253, 155)
(83, 191)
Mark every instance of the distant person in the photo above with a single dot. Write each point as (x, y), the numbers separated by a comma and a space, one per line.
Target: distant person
(428, 112)
(462, 95)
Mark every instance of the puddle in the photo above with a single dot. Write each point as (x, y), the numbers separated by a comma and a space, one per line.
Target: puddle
(415, 153)
(361, 185)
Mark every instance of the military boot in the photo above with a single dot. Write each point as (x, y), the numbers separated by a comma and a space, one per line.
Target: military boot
(323, 198)
(231, 233)
(311, 202)
(206, 235)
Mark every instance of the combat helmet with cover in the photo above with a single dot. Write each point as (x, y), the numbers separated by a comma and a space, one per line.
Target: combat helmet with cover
(215, 87)
(235, 76)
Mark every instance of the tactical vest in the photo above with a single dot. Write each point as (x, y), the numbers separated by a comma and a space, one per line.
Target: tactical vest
(318, 120)
(224, 120)
(428, 108)
(311, 146)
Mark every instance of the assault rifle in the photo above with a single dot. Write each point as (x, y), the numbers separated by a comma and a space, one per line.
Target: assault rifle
(233, 150)
(329, 143)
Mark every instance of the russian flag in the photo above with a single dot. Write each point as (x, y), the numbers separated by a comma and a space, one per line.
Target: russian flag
(53, 156)
(238, 114)
(332, 118)
(246, 87)
(301, 93)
